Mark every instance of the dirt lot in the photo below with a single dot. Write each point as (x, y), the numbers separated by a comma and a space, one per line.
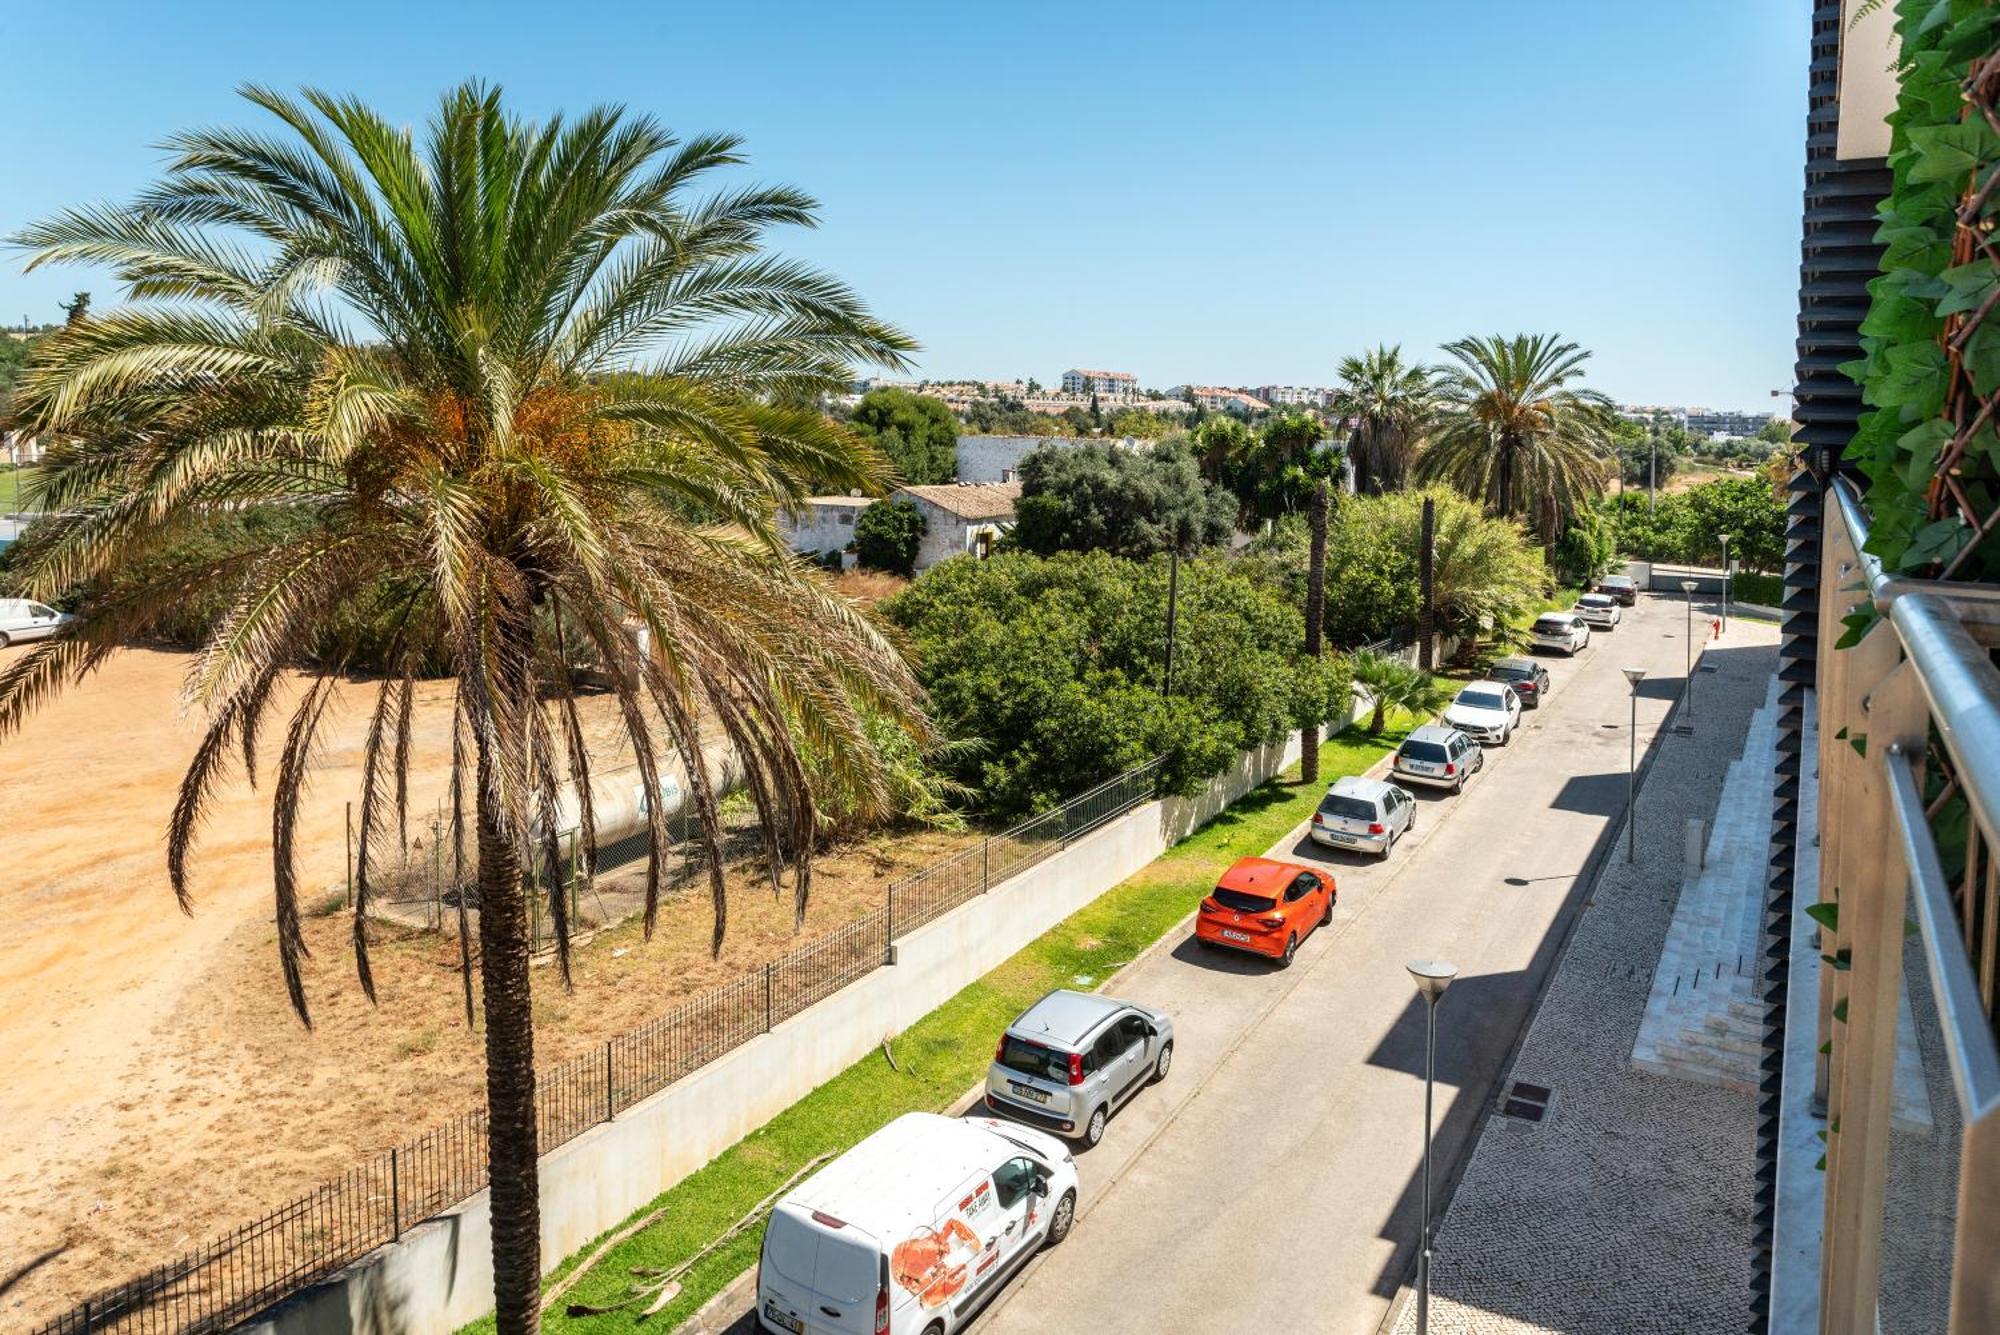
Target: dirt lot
(158, 1089)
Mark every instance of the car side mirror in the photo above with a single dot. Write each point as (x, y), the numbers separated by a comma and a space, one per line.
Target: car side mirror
(1039, 1187)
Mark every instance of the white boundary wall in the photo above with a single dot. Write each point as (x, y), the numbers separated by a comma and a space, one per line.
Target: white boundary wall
(440, 1275)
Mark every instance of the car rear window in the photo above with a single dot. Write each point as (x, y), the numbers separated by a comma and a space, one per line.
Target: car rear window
(1017, 1054)
(1430, 751)
(1244, 903)
(1594, 600)
(1353, 808)
(1481, 700)
(1552, 625)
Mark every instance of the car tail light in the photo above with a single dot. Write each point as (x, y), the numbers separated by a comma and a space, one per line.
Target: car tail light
(1000, 1047)
(1076, 1068)
(882, 1312)
(1375, 827)
(1319, 818)
(1208, 906)
(1274, 920)
(1450, 768)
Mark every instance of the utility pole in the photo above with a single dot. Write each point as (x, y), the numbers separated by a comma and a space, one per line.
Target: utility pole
(1173, 606)
(1427, 608)
(1652, 471)
(1315, 619)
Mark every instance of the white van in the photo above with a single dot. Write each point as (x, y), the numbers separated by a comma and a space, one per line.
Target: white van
(23, 619)
(914, 1229)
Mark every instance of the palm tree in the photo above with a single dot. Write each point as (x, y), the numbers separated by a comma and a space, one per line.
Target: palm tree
(1394, 685)
(1391, 403)
(527, 399)
(1517, 433)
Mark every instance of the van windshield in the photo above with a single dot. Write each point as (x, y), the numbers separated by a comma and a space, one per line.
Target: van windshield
(1243, 903)
(1017, 1054)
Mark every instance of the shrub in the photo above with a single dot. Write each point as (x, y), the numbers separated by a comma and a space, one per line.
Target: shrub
(916, 431)
(887, 534)
(1134, 503)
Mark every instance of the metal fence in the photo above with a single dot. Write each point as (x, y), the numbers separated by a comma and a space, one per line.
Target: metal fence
(250, 1268)
(1909, 916)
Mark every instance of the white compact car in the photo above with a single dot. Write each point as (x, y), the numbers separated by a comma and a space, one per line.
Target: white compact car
(914, 1229)
(1486, 711)
(22, 619)
(1564, 632)
(1363, 814)
(1599, 609)
(1439, 756)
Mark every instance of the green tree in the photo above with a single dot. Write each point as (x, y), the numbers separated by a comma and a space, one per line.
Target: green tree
(418, 343)
(1274, 469)
(1054, 665)
(1747, 510)
(916, 432)
(1517, 432)
(887, 535)
(1392, 404)
(1777, 431)
(1128, 502)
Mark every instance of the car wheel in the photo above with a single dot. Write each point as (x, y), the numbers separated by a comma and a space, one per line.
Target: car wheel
(1062, 1220)
(1291, 950)
(1093, 1130)
(4, 641)
(1164, 1061)
(1327, 916)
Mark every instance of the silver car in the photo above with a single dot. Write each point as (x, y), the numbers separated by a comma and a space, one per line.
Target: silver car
(1073, 1058)
(1439, 756)
(1367, 815)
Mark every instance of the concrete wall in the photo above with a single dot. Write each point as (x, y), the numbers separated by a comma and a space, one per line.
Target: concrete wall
(824, 526)
(440, 1275)
(998, 458)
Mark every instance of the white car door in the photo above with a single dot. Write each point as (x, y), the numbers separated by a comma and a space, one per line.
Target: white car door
(41, 623)
(1020, 1218)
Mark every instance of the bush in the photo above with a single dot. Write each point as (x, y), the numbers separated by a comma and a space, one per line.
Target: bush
(887, 534)
(1685, 526)
(1056, 664)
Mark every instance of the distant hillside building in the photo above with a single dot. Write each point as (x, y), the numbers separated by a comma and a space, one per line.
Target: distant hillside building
(1295, 396)
(1220, 399)
(1109, 386)
(960, 519)
(1714, 422)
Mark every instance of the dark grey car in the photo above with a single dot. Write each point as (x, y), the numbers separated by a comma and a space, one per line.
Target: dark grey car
(1073, 1058)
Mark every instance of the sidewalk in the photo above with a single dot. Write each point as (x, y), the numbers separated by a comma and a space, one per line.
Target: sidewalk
(1627, 1207)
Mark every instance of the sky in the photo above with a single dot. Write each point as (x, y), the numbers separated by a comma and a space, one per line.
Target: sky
(1236, 194)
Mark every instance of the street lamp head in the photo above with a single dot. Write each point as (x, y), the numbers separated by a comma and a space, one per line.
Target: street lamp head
(1724, 537)
(1687, 586)
(1432, 977)
(1635, 676)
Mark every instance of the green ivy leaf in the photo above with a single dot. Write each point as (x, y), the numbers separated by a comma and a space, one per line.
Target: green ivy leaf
(1949, 152)
(1840, 1010)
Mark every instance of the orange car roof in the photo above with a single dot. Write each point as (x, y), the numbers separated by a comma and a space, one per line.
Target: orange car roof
(1259, 876)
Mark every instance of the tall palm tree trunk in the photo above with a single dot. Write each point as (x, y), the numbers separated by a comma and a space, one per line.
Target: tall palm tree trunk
(1315, 622)
(511, 1141)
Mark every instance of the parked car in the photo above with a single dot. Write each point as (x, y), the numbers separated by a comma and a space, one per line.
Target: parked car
(1072, 1058)
(1529, 679)
(1266, 908)
(1440, 756)
(1565, 632)
(22, 619)
(914, 1229)
(1599, 609)
(1486, 711)
(1364, 814)
(1622, 587)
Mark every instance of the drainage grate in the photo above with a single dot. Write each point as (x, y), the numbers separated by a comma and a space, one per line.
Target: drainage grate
(1525, 1102)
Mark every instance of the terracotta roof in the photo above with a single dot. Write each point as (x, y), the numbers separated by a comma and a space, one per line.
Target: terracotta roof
(970, 500)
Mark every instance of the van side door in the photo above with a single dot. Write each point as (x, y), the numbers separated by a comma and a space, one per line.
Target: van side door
(1021, 1211)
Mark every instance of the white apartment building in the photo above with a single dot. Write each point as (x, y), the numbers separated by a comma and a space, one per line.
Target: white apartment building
(1295, 396)
(1108, 386)
(1221, 399)
(1719, 422)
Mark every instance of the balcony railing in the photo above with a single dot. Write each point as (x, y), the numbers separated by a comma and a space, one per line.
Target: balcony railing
(1909, 888)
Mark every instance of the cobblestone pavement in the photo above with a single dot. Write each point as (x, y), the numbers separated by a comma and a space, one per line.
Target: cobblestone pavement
(1628, 1207)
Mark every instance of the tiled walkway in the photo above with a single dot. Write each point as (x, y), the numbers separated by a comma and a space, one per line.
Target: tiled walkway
(1628, 1207)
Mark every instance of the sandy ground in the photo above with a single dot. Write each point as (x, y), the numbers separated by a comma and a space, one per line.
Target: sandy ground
(158, 1089)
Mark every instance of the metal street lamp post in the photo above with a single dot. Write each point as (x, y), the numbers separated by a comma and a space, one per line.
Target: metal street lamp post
(1725, 580)
(1432, 977)
(1633, 675)
(1687, 587)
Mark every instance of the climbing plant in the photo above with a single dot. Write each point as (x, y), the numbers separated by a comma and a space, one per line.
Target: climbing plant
(1930, 445)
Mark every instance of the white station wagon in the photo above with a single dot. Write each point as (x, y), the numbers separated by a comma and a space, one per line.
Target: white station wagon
(22, 619)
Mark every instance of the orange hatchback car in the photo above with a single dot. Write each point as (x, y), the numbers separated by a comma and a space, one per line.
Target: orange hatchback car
(1266, 908)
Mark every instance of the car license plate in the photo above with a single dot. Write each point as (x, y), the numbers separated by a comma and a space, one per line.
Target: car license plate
(782, 1320)
(1029, 1092)
(1228, 935)
(1343, 838)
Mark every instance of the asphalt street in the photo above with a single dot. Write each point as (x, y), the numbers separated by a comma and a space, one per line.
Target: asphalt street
(1272, 1182)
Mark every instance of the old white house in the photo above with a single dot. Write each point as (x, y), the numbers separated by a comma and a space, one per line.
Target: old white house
(960, 518)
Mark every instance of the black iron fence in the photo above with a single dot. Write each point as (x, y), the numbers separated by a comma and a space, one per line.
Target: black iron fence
(239, 1274)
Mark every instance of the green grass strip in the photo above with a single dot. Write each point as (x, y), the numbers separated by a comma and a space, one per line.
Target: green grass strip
(942, 1055)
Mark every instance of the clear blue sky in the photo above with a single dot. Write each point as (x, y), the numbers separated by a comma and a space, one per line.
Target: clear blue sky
(1232, 194)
